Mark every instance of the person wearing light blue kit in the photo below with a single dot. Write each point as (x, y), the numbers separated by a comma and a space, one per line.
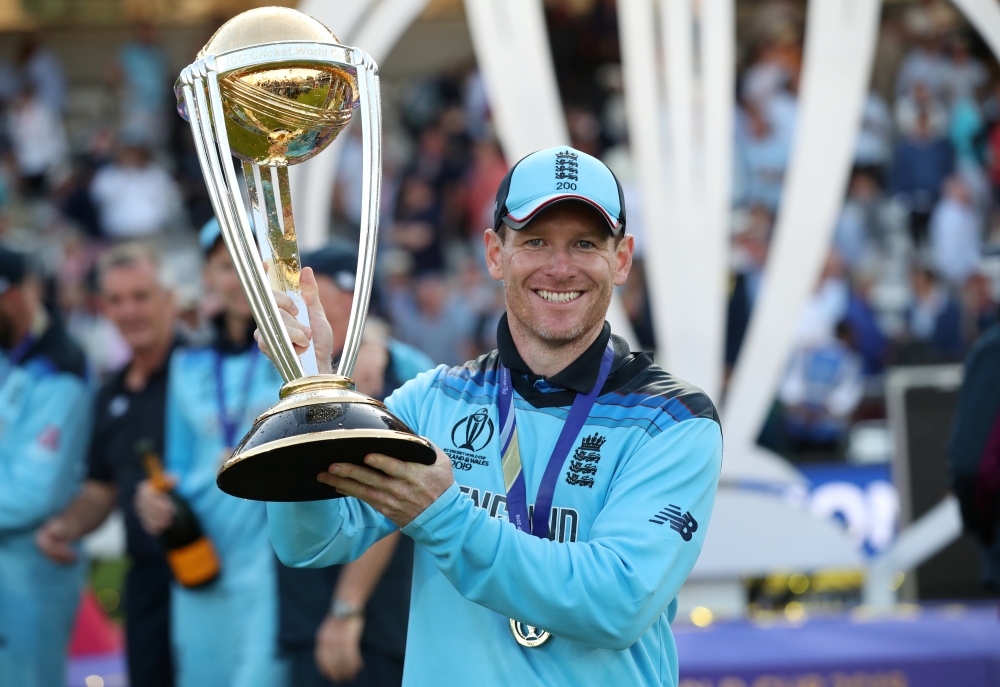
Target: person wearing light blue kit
(45, 420)
(574, 479)
(225, 633)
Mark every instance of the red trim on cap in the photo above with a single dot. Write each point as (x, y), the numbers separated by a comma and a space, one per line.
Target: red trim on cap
(611, 221)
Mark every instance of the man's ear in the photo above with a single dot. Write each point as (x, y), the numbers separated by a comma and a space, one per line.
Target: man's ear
(623, 258)
(494, 249)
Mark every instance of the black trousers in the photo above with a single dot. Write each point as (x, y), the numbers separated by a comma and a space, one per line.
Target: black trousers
(379, 671)
(147, 624)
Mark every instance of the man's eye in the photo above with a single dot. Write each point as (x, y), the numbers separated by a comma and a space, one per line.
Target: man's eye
(586, 244)
(535, 242)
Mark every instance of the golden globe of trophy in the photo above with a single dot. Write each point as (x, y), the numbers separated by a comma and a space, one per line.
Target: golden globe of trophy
(274, 87)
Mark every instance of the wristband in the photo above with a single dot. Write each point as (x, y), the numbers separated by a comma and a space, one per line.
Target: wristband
(342, 610)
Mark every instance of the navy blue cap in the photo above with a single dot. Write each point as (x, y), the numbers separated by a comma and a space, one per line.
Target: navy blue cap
(337, 262)
(13, 269)
(556, 175)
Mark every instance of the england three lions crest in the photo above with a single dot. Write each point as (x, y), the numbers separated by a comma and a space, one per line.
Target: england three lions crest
(583, 465)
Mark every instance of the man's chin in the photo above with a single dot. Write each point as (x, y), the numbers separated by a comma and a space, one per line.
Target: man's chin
(557, 334)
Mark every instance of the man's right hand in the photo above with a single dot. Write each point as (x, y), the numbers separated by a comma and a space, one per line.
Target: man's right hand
(154, 508)
(338, 647)
(53, 539)
(318, 331)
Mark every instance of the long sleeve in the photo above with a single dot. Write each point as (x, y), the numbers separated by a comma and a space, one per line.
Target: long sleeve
(41, 453)
(320, 533)
(604, 592)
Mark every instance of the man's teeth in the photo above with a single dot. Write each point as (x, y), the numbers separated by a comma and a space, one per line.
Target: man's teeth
(558, 296)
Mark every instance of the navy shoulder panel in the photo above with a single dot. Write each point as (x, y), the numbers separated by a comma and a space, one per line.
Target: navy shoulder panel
(57, 352)
(683, 401)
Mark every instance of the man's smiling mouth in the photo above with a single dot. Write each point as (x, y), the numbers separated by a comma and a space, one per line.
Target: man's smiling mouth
(558, 296)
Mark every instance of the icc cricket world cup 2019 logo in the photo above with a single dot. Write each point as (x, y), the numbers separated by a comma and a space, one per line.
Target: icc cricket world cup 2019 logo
(475, 426)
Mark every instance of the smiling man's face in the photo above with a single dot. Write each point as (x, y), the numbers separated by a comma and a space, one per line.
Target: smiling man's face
(559, 272)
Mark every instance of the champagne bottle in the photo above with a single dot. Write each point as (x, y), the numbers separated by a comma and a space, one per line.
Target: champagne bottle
(190, 554)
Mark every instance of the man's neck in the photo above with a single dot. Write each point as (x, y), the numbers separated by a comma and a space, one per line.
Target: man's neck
(544, 359)
(236, 328)
(144, 364)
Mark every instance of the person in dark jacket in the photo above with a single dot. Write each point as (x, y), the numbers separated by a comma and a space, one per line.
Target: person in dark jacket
(974, 450)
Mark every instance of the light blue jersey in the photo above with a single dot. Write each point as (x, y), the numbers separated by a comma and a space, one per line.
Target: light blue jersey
(629, 516)
(45, 424)
(224, 634)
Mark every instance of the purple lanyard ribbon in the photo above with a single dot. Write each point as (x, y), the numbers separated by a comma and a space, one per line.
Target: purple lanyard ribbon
(16, 355)
(517, 500)
(230, 423)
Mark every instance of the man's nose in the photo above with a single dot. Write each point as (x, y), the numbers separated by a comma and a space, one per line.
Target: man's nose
(561, 264)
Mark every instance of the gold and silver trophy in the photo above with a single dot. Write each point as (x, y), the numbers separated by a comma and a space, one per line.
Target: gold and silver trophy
(273, 87)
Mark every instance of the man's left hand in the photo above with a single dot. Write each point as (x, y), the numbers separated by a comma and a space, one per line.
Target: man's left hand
(398, 490)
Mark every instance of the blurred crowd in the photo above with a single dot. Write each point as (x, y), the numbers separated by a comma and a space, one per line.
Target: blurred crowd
(909, 278)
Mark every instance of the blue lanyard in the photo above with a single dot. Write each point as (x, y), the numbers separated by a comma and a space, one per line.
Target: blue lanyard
(16, 355)
(230, 423)
(517, 501)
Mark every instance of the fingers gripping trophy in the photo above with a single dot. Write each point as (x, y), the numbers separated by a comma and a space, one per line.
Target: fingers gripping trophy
(273, 87)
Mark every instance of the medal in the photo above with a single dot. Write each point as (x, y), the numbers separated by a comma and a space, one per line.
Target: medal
(528, 635)
(517, 500)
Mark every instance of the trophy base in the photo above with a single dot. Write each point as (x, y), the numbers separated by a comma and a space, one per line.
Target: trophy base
(320, 420)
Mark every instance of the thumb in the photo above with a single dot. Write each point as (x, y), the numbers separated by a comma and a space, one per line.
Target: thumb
(310, 293)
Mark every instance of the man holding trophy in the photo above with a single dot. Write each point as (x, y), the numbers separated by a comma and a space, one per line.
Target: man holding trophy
(584, 475)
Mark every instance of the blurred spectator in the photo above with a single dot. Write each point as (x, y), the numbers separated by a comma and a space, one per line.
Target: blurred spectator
(102, 343)
(934, 322)
(924, 65)
(993, 160)
(141, 72)
(965, 75)
(635, 300)
(821, 389)
(225, 633)
(921, 163)
(44, 432)
(135, 196)
(437, 322)
(761, 157)
(10, 84)
(979, 309)
(130, 412)
(828, 305)
(860, 235)
(867, 337)
(921, 103)
(955, 234)
(43, 73)
(584, 130)
(484, 176)
(752, 236)
(965, 130)
(874, 144)
(418, 226)
(39, 141)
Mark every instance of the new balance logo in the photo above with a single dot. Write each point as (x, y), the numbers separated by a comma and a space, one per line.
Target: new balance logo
(682, 523)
